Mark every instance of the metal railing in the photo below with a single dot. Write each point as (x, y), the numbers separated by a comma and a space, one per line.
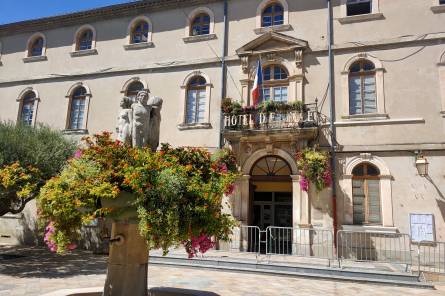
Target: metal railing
(246, 239)
(352, 246)
(376, 246)
(301, 242)
(431, 257)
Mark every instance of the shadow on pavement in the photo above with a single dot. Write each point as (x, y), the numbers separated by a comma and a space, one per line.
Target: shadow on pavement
(28, 262)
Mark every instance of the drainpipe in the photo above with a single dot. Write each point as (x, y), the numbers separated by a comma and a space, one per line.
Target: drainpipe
(223, 71)
(331, 96)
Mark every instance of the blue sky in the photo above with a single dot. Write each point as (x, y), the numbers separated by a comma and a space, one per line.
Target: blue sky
(18, 10)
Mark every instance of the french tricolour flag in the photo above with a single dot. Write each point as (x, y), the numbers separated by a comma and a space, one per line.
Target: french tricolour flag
(257, 89)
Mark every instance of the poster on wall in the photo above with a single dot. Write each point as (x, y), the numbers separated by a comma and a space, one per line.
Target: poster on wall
(422, 227)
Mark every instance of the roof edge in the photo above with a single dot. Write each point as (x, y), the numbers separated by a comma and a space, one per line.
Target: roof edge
(96, 14)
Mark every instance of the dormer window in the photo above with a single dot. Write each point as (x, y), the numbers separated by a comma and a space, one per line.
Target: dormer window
(358, 7)
(273, 15)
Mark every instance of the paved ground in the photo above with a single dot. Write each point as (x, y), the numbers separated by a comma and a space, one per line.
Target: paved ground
(39, 272)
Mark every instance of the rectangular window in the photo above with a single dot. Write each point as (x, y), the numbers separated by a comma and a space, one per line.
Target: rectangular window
(441, 2)
(27, 112)
(196, 104)
(280, 94)
(366, 201)
(77, 113)
(358, 7)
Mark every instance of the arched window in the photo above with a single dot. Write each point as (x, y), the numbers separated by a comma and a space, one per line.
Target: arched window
(27, 110)
(77, 108)
(271, 166)
(133, 89)
(362, 88)
(139, 32)
(200, 25)
(36, 47)
(196, 100)
(84, 40)
(273, 15)
(366, 194)
(275, 83)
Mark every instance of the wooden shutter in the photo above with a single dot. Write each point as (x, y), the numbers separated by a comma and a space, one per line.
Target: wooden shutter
(369, 95)
(373, 200)
(355, 97)
(359, 201)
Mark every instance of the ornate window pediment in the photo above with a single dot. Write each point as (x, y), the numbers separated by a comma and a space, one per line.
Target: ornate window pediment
(272, 42)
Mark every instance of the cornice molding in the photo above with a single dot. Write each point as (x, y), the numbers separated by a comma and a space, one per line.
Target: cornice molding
(98, 14)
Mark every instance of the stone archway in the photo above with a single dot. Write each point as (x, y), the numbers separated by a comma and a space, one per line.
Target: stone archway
(300, 199)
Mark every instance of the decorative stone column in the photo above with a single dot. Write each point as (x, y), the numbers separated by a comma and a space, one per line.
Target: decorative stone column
(301, 207)
(127, 262)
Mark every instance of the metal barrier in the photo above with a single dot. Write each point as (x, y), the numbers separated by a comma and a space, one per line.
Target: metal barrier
(358, 246)
(431, 257)
(376, 246)
(301, 242)
(246, 239)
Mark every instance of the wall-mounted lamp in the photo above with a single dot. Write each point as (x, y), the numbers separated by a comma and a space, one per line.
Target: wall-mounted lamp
(421, 164)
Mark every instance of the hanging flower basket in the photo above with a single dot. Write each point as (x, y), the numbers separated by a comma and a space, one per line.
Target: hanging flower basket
(314, 168)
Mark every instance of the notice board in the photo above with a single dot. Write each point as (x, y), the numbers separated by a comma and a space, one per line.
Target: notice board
(422, 227)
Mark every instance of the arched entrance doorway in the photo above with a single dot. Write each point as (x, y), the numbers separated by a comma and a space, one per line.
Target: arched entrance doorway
(271, 196)
(271, 189)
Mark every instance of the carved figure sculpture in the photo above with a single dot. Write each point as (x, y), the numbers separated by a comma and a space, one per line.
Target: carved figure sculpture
(155, 122)
(124, 121)
(141, 120)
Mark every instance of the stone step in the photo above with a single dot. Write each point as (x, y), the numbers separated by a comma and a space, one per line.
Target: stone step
(328, 273)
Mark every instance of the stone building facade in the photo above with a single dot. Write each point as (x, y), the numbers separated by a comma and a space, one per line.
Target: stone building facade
(71, 71)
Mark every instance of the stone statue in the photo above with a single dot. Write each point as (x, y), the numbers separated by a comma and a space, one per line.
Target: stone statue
(141, 120)
(155, 122)
(124, 121)
(138, 124)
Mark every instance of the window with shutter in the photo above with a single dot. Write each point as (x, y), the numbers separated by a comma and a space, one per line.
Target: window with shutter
(366, 194)
(196, 101)
(77, 108)
(362, 88)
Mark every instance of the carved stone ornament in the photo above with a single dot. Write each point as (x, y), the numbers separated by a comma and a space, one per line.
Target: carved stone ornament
(366, 156)
(271, 57)
(299, 58)
(245, 64)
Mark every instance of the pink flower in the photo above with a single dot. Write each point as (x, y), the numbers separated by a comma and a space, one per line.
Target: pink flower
(230, 189)
(78, 154)
(200, 244)
(327, 178)
(304, 184)
(223, 168)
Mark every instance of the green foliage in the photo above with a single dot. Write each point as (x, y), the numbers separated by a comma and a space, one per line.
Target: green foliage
(177, 192)
(28, 157)
(229, 106)
(314, 166)
(40, 147)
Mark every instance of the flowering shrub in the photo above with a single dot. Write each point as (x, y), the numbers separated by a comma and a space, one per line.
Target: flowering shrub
(177, 193)
(314, 167)
(28, 157)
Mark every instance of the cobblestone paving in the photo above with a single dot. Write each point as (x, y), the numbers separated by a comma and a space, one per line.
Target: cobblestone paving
(40, 272)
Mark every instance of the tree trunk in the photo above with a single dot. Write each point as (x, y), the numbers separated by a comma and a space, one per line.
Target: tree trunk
(127, 262)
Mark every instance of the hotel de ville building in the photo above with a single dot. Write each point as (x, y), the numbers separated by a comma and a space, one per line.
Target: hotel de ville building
(382, 118)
